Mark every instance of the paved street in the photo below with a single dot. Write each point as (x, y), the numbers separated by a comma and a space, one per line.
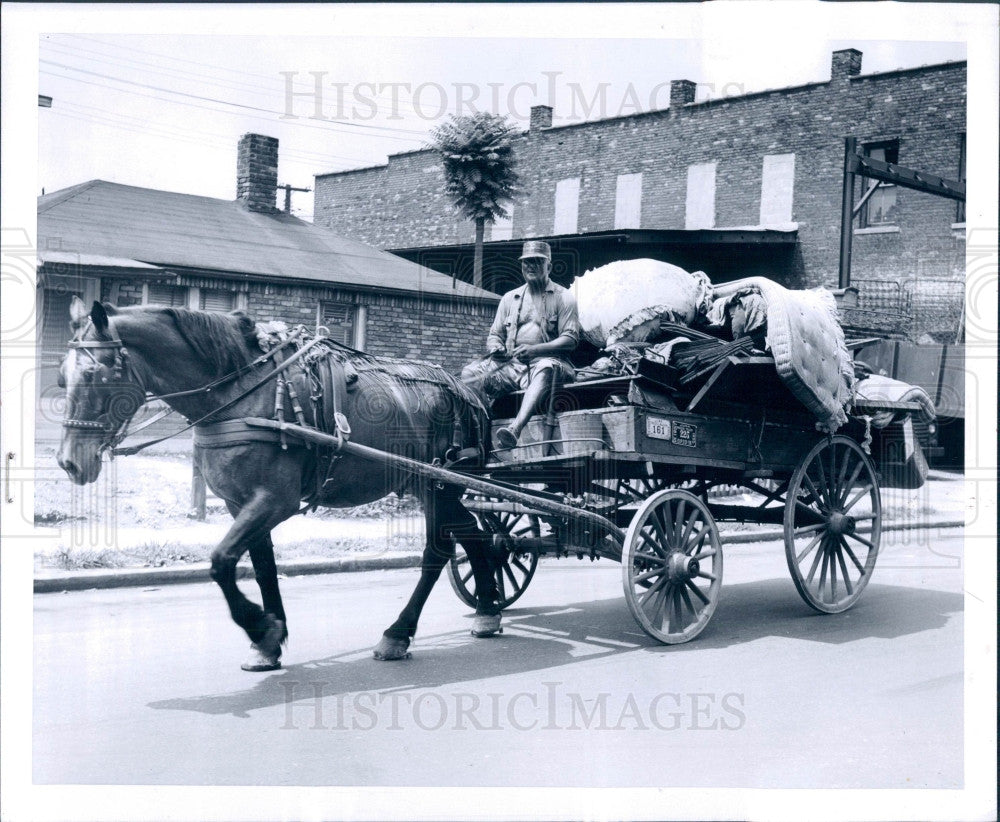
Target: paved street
(135, 686)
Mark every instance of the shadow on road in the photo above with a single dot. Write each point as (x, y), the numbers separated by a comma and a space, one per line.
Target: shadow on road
(538, 639)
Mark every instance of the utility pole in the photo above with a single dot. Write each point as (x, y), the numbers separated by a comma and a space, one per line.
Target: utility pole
(288, 195)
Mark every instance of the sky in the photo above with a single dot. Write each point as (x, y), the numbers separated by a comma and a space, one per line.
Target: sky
(165, 111)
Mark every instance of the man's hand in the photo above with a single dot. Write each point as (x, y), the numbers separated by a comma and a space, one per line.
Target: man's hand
(524, 353)
(499, 354)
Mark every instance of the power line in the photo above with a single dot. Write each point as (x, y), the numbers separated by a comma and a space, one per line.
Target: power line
(270, 78)
(213, 99)
(293, 123)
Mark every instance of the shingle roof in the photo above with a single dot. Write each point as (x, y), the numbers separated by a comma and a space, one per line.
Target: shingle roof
(164, 228)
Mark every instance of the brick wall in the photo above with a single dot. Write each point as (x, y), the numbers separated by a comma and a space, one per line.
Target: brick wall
(403, 205)
(444, 331)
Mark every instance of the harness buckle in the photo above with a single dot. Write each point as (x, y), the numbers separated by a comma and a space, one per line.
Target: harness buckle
(343, 426)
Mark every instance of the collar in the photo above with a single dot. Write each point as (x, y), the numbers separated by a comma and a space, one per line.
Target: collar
(521, 290)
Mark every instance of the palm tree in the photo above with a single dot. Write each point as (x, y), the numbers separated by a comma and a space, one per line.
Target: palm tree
(480, 170)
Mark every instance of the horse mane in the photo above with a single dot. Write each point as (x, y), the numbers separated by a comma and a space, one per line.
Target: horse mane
(222, 340)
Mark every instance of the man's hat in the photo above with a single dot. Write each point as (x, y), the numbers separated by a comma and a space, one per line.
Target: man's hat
(536, 248)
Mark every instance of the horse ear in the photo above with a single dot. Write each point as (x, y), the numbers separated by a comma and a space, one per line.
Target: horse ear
(99, 317)
(77, 310)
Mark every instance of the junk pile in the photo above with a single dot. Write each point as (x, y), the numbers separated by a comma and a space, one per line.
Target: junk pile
(646, 311)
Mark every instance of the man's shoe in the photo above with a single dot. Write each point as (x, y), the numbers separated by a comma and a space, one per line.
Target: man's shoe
(506, 438)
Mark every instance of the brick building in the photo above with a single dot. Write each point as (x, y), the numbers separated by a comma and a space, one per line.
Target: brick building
(735, 186)
(130, 246)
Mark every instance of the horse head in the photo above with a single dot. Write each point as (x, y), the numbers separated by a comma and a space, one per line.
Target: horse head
(102, 392)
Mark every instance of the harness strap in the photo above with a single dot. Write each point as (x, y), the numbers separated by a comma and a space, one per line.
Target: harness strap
(135, 449)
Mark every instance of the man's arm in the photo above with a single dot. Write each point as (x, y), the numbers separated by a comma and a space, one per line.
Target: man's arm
(496, 340)
(569, 333)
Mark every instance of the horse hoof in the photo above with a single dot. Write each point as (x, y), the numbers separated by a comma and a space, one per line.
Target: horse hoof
(266, 654)
(260, 661)
(389, 649)
(485, 626)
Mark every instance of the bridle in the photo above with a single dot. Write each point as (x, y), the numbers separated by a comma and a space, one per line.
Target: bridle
(113, 422)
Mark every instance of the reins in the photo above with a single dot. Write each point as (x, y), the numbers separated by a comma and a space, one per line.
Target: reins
(134, 449)
(122, 370)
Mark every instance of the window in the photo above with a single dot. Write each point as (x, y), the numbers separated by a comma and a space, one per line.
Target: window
(776, 189)
(567, 206)
(700, 205)
(628, 201)
(216, 300)
(880, 208)
(172, 295)
(960, 211)
(337, 320)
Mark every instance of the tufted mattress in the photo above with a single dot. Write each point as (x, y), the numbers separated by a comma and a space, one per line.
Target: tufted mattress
(807, 343)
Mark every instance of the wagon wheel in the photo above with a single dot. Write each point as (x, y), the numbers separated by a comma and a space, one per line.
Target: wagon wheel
(833, 490)
(513, 569)
(672, 566)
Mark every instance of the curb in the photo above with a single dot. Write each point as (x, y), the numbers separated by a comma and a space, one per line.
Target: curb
(199, 572)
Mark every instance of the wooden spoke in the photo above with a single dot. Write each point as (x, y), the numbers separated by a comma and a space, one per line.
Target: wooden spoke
(697, 591)
(823, 484)
(844, 477)
(809, 547)
(652, 572)
(513, 567)
(664, 599)
(850, 553)
(654, 588)
(847, 486)
(843, 570)
(682, 590)
(856, 498)
(816, 559)
(817, 497)
(650, 558)
(862, 540)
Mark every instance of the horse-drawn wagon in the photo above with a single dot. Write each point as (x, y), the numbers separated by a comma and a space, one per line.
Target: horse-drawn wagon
(625, 468)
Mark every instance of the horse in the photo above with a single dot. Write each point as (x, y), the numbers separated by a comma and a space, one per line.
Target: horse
(209, 367)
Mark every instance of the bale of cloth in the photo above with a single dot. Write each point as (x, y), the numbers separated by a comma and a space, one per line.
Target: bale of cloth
(627, 300)
(804, 336)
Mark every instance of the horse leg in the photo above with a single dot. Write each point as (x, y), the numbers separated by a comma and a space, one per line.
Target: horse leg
(445, 516)
(266, 573)
(251, 529)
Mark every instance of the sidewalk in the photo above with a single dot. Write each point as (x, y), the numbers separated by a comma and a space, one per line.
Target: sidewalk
(939, 504)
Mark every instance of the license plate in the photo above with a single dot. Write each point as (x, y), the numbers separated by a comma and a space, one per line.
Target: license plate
(657, 428)
(684, 434)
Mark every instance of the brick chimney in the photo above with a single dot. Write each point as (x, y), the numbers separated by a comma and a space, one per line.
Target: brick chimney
(681, 93)
(846, 63)
(257, 172)
(541, 117)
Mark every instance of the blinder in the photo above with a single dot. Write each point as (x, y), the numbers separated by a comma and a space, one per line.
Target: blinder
(129, 395)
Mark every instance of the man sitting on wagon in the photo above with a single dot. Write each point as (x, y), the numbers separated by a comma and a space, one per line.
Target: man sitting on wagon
(536, 327)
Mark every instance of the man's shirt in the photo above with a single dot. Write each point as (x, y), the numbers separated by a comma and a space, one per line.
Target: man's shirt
(522, 320)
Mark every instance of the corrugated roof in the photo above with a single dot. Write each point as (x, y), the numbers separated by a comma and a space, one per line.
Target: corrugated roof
(164, 228)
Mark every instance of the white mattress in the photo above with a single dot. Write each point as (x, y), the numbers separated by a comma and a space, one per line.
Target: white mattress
(807, 343)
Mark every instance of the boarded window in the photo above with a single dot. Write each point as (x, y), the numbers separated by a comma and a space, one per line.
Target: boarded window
(567, 206)
(172, 295)
(503, 228)
(336, 320)
(880, 208)
(700, 204)
(776, 189)
(216, 300)
(960, 212)
(628, 201)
